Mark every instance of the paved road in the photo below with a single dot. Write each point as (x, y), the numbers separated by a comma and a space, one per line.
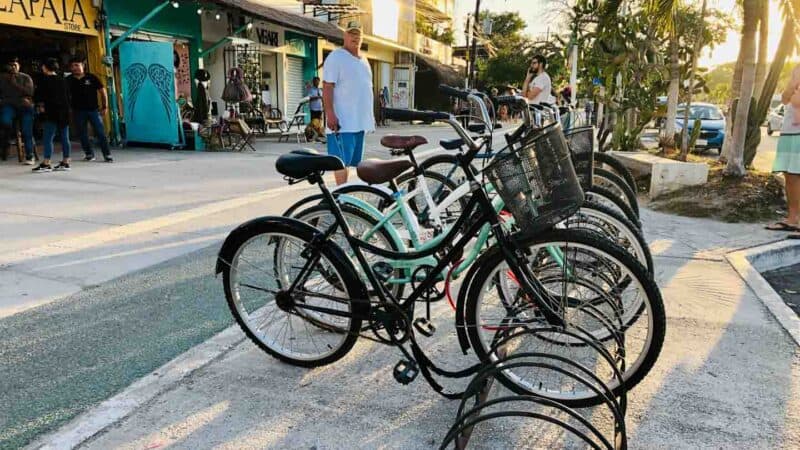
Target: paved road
(75, 325)
(696, 391)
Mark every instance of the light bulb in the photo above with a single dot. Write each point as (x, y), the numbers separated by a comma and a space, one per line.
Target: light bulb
(250, 26)
(217, 16)
(199, 11)
(175, 4)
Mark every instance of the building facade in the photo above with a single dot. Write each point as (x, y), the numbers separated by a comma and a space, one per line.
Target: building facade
(155, 47)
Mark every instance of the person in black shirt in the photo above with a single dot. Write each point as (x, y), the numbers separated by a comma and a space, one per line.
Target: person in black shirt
(52, 103)
(84, 89)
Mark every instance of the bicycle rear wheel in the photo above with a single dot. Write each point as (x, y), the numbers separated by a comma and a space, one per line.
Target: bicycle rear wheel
(604, 293)
(604, 159)
(261, 260)
(618, 186)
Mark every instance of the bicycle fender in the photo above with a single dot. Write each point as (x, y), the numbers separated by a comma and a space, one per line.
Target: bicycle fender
(292, 209)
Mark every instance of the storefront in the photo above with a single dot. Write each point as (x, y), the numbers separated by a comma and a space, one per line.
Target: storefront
(153, 68)
(278, 64)
(61, 29)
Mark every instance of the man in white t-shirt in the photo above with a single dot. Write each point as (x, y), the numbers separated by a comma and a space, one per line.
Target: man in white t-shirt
(348, 100)
(537, 85)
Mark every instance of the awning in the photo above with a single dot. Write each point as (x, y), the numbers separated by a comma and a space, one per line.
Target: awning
(447, 74)
(286, 19)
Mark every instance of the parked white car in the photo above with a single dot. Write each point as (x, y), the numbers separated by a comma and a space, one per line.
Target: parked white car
(775, 120)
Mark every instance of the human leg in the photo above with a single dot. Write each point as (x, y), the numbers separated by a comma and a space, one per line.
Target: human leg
(100, 132)
(337, 146)
(48, 133)
(66, 145)
(82, 121)
(26, 123)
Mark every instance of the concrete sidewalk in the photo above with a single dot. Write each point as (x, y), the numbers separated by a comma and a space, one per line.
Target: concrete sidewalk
(728, 377)
(64, 232)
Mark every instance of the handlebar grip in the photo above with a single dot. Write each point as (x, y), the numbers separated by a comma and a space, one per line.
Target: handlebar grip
(516, 135)
(453, 92)
(408, 115)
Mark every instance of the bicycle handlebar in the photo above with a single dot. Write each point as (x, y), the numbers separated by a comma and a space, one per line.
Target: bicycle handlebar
(408, 115)
(461, 94)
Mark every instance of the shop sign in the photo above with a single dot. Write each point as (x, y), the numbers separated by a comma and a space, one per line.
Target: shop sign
(74, 16)
(296, 47)
(266, 35)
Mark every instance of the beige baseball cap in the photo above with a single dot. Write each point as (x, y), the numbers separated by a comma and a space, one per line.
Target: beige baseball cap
(354, 27)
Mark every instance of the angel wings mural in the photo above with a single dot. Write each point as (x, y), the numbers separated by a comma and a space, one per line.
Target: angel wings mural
(137, 74)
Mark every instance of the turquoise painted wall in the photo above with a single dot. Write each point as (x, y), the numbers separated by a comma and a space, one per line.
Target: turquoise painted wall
(182, 22)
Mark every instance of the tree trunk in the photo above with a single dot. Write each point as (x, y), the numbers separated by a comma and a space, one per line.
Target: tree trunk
(735, 166)
(763, 36)
(672, 93)
(697, 46)
(736, 85)
(785, 48)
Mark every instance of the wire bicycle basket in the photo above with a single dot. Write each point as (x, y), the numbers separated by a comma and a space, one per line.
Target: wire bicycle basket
(537, 180)
(581, 147)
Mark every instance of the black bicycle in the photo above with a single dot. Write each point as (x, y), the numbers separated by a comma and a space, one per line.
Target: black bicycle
(305, 299)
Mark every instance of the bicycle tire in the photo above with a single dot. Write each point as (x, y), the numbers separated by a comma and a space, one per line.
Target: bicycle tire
(447, 161)
(371, 222)
(634, 373)
(410, 179)
(627, 195)
(602, 194)
(618, 168)
(305, 233)
(645, 257)
(384, 198)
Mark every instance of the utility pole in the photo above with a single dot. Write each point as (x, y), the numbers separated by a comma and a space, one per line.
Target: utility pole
(474, 52)
(468, 33)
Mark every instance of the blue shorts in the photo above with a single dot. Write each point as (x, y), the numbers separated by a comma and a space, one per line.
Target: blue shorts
(349, 147)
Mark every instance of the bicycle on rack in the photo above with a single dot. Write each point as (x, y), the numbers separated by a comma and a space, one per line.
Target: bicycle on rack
(301, 298)
(428, 200)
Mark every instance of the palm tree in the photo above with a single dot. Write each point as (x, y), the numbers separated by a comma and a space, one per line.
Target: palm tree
(663, 12)
(735, 165)
(785, 48)
(763, 37)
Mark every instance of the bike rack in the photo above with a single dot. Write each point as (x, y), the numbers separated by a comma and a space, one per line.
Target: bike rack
(476, 407)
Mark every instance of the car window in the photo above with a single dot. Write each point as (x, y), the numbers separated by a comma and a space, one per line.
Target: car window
(702, 112)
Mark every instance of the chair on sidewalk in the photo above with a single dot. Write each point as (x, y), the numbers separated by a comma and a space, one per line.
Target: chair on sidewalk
(18, 141)
(242, 135)
(298, 122)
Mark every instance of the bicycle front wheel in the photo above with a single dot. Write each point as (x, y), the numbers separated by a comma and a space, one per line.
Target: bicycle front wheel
(296, 301)
(604, 294)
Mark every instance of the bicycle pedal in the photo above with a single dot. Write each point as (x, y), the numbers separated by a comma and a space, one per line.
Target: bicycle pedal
(383, 271)
(405, 372)
(424, 327)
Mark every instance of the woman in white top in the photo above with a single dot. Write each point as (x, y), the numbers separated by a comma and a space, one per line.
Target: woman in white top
(537, 85)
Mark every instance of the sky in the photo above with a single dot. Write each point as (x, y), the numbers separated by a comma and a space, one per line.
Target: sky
(532, 11)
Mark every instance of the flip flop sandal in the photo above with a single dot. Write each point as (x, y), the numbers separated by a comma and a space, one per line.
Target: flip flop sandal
(793, 236)
(782, 226)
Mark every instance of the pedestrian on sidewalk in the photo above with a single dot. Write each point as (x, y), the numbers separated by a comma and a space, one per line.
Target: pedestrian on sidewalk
(787, 158)
(315, 106)
(348, 100)
(52, 103)
(85, 88)
(16, 95)
(537, 86)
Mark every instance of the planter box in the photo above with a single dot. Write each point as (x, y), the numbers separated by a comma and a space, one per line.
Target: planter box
(666, 175)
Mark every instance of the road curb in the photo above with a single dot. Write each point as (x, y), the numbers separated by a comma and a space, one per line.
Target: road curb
(120, 406)
(749, 264)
